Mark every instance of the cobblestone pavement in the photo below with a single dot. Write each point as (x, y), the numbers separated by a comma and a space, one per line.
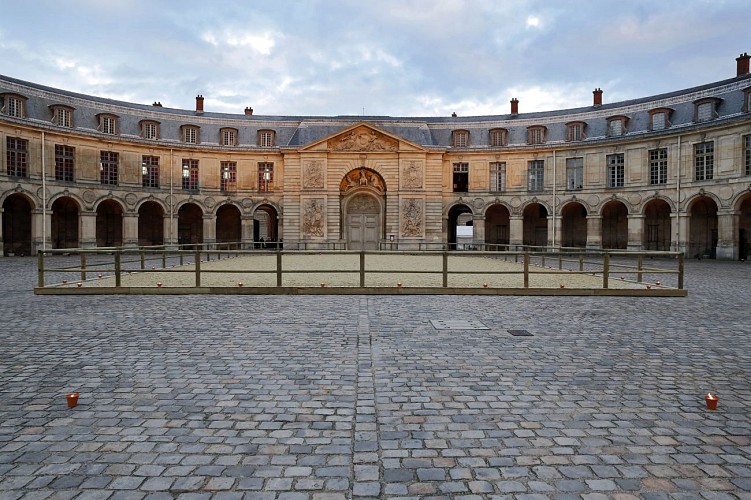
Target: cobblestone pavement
(332, 397)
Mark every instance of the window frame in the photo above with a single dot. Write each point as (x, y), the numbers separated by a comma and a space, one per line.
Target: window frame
(265, 177)
(192, 132)
(498, 177)
(746, 107)
(665, 112)
(615, 170)
(460, 177)
(65, 163)
(19, 110)
(575, 166)
(658, 166)
(266, 138)
(150, 172)
(190, 174)
(575, 131)
(535, 176)
(17, 157)
(699, 104)
(747, 152)
(498, 137)
(62, 113)
(105, 119)
(460, 138)
(223, 136)
(704, 161)
(109, 167)
(537, 134)
(622, 120)
(145, 125)
(228, 176)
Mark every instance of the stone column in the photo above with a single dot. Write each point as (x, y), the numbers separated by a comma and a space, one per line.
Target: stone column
(478, 229)
(41, 236)
(169, 228)
(246, 231)
(594, 231)
(2, 246)
(727, 239)
(209, 228)
(88, 229)
(679, 227)
(130, 229)
(516, 230)
(635, 231)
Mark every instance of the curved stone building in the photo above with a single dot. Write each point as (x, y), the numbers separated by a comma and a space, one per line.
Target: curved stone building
(667, 172)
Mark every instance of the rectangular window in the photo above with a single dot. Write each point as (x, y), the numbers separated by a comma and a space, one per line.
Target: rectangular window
(658, 121)
(616, 170)
(15, 107)
(228, 137)
(575, 132)
(536, 136)
(63, 117)
(229, 176)
(190, 174)
(497, 138)
(498, 177)
(190, 135)
(150, 171)
(265, 177)
(266, 139)
(64, 163)
(17, 156)
(615, 128)
(108, 125)
(658, 166)
(574, 174)
(747, 153)
(704, 161)
(536, 177)
(461, 177)
(150, 131)
(461, 139)
(108, 166)
(705, 112)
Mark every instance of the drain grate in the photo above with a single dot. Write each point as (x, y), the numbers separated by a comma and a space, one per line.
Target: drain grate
(458, 324)
(520, 333)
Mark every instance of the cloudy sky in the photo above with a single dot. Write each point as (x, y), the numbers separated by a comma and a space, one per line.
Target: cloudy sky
(378, 57)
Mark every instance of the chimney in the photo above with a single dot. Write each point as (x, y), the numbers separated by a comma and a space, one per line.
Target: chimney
(598, 97)
(514, 106)
(199, 103)
(743, 64)
(249, 111)
(453, 115)
(157, 104)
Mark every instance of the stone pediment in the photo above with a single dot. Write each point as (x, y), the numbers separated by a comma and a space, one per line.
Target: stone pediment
(363, 139)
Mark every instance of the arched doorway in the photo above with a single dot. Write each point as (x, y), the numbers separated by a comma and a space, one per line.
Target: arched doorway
(744, 229)
(189, 224)
(65, 223)
(16, 225)
(535, 225)
(150, 224)
(657, 225)
(497, 222)
(574, 225)
(459, 226)
(266, 226)
(362, 206)
(228, 225)
(614, 225)
(703, 228)
(109, 224)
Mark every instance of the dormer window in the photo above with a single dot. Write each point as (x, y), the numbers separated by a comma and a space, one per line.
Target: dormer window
(706, 109)
(62, 116)
(536, 134)
(746, 100)
(149, 129)
(498, 137)
(266, 138)
(107, 124)
(460, 138)
(190, 134)
(659, 119)
(228, 136)
(575, 131)
(617, 125)
(14, 105)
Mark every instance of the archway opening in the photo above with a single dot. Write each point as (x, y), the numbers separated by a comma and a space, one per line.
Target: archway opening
(703, 228)
(189, 224)
(228, 225)
(535, 225)
(460, 230)
(497, 223)
(150, 224)
(657, 225)
(16, 225)
(266, 226)
(64, 224)
(574, 225)
(109, 224)
(744, 229)
(362, 221)
(615, 225)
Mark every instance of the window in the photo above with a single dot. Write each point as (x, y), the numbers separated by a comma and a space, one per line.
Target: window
(574, 174)
(498, 177)
(266, 138)
(461, 177)
(536, 135)
(616, 170)
(62, 116)
(190, 134)
(107, 124)
(747, 153)
(17, 155)
(498, 137)
(149, 129)
(150, 171)
(64, 163)
(108, 164)
(13, 105)
(746, 101)
(228, 137)
(659, 119)
(229, 176)
(265, 177)
(536, 175)
(460, 138)
(617, 125)
(704, 160)
(706, 109)
(575, 131)
(190, 174)
(658, 166)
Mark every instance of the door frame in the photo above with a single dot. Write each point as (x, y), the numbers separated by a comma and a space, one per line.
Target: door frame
(380, 200)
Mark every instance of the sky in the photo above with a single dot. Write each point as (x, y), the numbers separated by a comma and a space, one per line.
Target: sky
(407, 58)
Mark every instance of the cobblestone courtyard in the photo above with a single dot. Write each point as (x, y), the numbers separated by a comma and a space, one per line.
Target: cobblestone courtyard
(333, 397)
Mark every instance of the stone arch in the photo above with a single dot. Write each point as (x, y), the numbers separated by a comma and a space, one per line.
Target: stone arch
(743, 209)
(657, 225)
(151, 199)
(65, 194)
(106, 199)
(363, 219)
(189, 223)
(109, 222)
(535, 224)
(150, 223)
(228, 223)
(614, 225)
(17, 224)
(362, 177)
(266, 223)
(65, 222)
(459, 215)
(574, 225)
(498, 224)
(702, 234)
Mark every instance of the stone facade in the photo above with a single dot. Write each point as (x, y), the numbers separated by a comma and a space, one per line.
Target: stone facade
(668, 172)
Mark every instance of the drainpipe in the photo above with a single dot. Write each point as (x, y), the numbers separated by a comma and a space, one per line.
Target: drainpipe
(554, 183)
(171, 201)
(678, 198)
(44, 198)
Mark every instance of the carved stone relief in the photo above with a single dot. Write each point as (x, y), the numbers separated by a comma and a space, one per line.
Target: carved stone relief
(362, 177)
(363, 139)
(363, 204)
(312, 174)
(412, 217)
(313, 217)
(412, 175)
